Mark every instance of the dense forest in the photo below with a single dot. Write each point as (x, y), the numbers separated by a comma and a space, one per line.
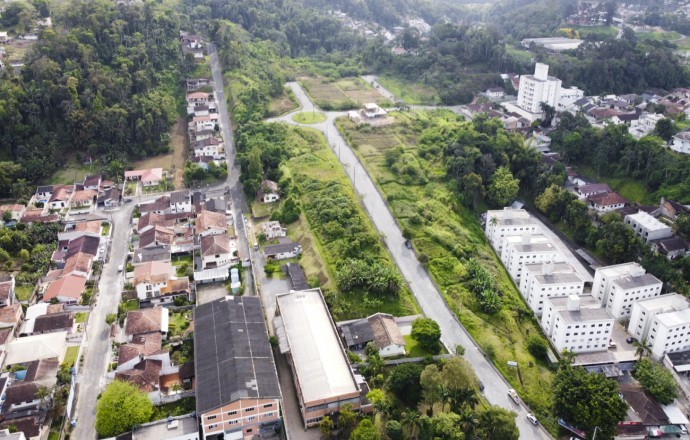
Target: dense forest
(101, 82)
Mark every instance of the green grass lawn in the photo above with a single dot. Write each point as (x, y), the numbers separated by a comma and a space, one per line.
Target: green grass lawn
(413, 93)
(23, 292)
(183, 406)
(132, 304)
(263, 210)
(54, 435)
(71, 355)
(683, 44)
(658, 36)
(309, 117)
(606, 31)
(282, 104)
(413, 348)
(178, 323)
(105, 229)
(72, 171)
(81, 317)
(130, 188)
(632, 189)
(445, 234)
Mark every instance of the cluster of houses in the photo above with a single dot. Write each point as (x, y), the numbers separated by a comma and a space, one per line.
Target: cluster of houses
(181, 224)
(194, 45)
(50, 203)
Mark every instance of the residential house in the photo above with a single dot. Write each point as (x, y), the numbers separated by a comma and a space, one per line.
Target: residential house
(156, 236)
(577, 323)
(85, 243)
(306, 332)
(147, 177)
(380, 328)
(272, 229)
(203, 123)
(591, 189)
(37, 347)
(647, 227)
(672, 247)
(152, 253)
(211, 223)
(607, 202)
(495, 93)
(93, 182)
(217, 204)
(49, 323)
(201, 98)
(60, 197)
(197, 83)
(681, 142)
(155, 282)
(67, 289)
(216, 251)
(10, 316)
(146, 376)
(44, 193)
(210, 147)
(160, 205)
(202, 161)
(268, 192)
(78, 264)
(151, 219)
(41, 309)
(618, 287)
(91, 228)
(282, 251)
(144, 321)
(645, 124)
(31, 426)
(200, 135)
(7, 285)
(663, 322)
(644, 411)
(371, 114)
(237, 388)
(180, 201)
(5, 434)
(15, 211)
(83, 199)
(671, 209)
(109, 198)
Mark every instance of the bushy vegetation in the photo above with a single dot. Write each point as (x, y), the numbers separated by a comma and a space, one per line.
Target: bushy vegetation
(28, 248)
(121, 406)
(483, 285)
(657, 380)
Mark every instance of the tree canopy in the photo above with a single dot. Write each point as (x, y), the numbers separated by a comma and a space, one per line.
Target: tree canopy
(657, 380)
(427, 333)
(120, 407)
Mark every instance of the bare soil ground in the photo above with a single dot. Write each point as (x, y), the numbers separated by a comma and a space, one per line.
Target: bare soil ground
(176, 159)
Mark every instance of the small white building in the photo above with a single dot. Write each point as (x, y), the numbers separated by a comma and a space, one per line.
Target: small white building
(180, 201)
(647, 227)
(519, 250)
(217, 251)
(645, 124)
(567, 98)
(541, 281)
(619, 287)
(282, 251)
(681, 142)
(577, 323)
(606, 202)
(506, 222)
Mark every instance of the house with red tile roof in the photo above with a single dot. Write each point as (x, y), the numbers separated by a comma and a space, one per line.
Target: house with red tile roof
(147, 177)
(67, 289)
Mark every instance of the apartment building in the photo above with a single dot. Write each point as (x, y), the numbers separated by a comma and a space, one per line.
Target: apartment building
(505, 222)
(577, 323)
(541, 281)
(618, 287)
(662, 322)
(527, 249)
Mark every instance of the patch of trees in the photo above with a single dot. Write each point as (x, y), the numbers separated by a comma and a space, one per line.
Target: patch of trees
(121, 407)
(29, 247)
(195, 174)
(101, 82)
(483, 285)
(657, 380)
(370, 276)
(427, 333)
(588, 400)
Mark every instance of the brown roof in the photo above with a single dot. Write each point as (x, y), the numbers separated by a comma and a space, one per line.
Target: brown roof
(206, 220)
(19, 392)
(92, 180)
(79, 262)
(6, 288)
(12, 208)
(86, 244)
(152, 219)
(143, 345)
(30, 426)
(42, 371)
(176, 286)
(71, 286)
(215, 245)
(53, 322)
(84, 195)
(146, 375)
(4, 335)
(647, 408)
(158, 235)
(153, 272)
(93, 226)
(267, 187)
(167, 381)
(386, 331)
(160, 204)
(34, 215)
(607, 199)
(61, 193)
(10, 314)
(140, 322)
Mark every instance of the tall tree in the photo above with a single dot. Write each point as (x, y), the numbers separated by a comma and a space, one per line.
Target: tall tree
(497, 423)
(503, 188)
(120, 407)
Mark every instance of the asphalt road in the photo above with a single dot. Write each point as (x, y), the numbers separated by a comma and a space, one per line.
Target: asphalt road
(429, 298)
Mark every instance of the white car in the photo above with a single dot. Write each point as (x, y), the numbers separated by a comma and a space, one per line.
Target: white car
(120, 268)
(514, 395)
(532, 419)
(683, 429)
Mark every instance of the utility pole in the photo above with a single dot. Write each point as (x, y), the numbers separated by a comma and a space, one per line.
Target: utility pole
(594, 436)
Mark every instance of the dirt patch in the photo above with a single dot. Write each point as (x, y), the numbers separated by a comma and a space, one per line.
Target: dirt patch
(16, 50)
(176, 159)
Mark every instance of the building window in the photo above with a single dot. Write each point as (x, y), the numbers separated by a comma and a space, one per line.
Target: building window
(250, 409)
(211, 418)
(268, 405)
(232, 413)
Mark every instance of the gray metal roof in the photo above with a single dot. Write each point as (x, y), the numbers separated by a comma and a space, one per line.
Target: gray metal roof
(280, 248)
(216, 204)
(630, 282)
(232, 354)
(296, 274)
(179, 197)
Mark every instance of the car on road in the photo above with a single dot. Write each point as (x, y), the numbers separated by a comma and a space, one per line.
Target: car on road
(532, 419)
(128, 200)
(612, 343)
(683, 429)
(408, 244)
(514, 395)
(631, 340)
(481, 386)
(120, 268)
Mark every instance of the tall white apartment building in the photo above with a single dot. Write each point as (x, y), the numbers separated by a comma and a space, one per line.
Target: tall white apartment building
(526, 249)
(577, 323)
(618, 287)
(541, 281)
(538, 88)
(669, 332)
(505, 222)
(647, 227)
(644, 312)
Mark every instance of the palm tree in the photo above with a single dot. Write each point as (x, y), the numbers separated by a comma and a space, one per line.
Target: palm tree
(468, 421)
(41, 394)
(412, 420)
(643, 348)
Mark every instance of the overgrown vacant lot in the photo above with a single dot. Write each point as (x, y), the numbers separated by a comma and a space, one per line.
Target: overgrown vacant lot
(446, 235)
(413, 93)
(342, 94)
(324, 191)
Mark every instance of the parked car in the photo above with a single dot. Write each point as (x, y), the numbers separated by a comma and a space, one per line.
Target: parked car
(683, 429)
(120, 268)
(630, 340)
(612, 343)
(408, 244)
(481, 386)
(532, 419)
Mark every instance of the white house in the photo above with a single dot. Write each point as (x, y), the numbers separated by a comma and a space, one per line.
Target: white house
(647, 227)
(541, 281)
(495, 93)
(273, 229)
(567, 98)
(380, 328)
(519, 250)
(268, 192)
(211, 223)
(681, 142)
(505, 222)
(607, 202)
(645, 124)
(282, 251)
(217, 251)
(155, 282)
(618, 287)
(577, 323)
(180, 201)
(537, 89)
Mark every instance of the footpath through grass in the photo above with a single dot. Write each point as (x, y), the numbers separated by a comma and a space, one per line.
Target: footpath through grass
(323, 189)
(446, 234)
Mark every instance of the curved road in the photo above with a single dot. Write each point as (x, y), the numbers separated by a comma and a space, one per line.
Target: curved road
(429, 298)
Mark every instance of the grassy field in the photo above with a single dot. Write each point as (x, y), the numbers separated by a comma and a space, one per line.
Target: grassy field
(71, 355)
(683, 44)
(658, 36)
(445, 235)
(413, 348)
(631, 189)
(183, 406)
(282, 104)
(604, 31)
(263, 210)
(313, 164)
(343, 94)
(309, 117)
(23, 292)
(72, 171)
(174, 160)
(523, 56)
(413, 93)
(81, 317)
